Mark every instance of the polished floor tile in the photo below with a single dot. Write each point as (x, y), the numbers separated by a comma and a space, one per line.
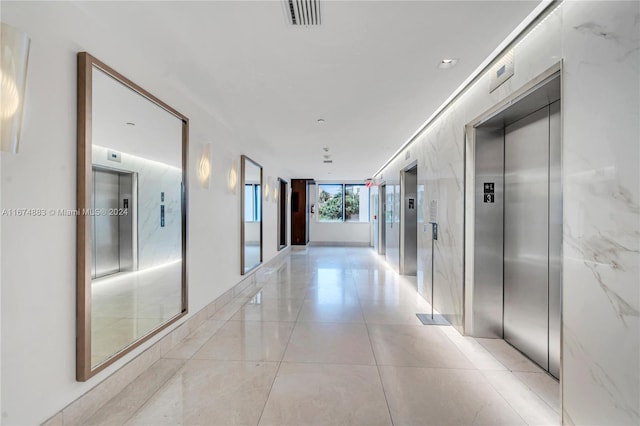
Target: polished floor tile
(206, 392)
(545, 386)
(415, 346)
(323, 394)
(349, 311)
(474, 351)
(329, 337)
(433, 396)
(259, 309)
(330, 343)
(509, 356)
(277, 290)
(247, 341)
(523, 400)
(326, 293)
(391, 313)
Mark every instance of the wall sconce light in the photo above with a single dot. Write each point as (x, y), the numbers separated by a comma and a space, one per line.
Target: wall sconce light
(14, 58)
(232, 177)
(276, 191)
(204, 166)
(267, 188)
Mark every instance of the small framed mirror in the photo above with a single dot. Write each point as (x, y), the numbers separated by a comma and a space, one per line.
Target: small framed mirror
(251, 215)
(131, 222)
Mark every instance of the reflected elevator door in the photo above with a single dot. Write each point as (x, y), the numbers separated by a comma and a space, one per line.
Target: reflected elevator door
(530, 286)
(106, 232)
(113, 248)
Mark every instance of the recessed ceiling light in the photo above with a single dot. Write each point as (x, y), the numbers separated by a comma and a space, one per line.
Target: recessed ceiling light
(320, 120)
(325, 149)
(447, 63)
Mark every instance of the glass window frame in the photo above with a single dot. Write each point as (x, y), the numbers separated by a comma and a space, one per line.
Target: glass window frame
(343, 193)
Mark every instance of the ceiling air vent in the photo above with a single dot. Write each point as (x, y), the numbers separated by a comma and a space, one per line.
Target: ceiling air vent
(303, 12)
(327, 161)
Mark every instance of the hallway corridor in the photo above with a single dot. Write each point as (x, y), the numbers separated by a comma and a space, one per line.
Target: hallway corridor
(331, 338)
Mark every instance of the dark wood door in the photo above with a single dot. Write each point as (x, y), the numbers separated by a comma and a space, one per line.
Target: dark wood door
(299, 212)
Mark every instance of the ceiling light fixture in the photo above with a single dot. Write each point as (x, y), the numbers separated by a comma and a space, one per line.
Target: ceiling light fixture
(320, 120)
(447, 63)
(325, 149)
(129, 123)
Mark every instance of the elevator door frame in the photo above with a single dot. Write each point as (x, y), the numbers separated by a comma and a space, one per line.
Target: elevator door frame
(408, 259)
(529, 91)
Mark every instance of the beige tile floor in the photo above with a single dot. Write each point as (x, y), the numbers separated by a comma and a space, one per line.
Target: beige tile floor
(332, 339)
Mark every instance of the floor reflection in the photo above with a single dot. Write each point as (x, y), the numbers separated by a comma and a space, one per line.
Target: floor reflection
(127, 306)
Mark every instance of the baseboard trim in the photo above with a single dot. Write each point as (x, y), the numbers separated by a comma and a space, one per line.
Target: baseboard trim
(338, 244)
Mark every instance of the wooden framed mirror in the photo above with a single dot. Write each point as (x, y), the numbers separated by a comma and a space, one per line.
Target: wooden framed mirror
(131, 223)
(250, 215)
(282, 200)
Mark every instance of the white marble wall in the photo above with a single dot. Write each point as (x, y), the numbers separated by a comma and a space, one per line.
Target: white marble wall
(601, 250)
(599, 45)
(156, 245)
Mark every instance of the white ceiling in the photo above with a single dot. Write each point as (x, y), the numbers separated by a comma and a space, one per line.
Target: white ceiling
(370, 70)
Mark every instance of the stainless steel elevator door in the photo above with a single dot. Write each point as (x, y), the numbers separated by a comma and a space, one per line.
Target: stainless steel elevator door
(409, 228)
(526, 236)
(106, 249)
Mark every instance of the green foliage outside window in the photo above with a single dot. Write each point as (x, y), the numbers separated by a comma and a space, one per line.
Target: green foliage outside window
(330, 199)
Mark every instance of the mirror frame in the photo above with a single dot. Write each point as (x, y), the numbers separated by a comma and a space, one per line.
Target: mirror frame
(243, 161)
(86, 64)
(282, 202)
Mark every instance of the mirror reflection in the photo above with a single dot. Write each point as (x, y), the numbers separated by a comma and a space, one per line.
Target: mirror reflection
(251, 214)
(137, 220)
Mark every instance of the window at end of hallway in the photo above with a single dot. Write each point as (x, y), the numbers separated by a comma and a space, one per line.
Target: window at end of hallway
(343, 203)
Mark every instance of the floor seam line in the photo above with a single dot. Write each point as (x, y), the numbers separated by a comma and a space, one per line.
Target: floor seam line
(279, 363)
(375, 359)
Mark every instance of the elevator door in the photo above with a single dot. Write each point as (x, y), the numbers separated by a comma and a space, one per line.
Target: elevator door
(106, 232)
(382, 219)
(113, 223)
(409, 226)
(531, 287)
